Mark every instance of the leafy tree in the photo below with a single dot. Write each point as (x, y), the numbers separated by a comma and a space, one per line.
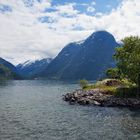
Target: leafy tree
(113, 73)
(83, 83)
(128, 58)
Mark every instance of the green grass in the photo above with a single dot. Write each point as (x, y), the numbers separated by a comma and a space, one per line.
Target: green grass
(128, 83)
(103, 87)
(126, 89)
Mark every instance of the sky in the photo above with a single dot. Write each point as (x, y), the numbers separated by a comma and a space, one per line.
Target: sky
(34, 29)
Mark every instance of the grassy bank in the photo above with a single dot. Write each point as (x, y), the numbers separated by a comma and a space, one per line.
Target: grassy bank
(119, 88)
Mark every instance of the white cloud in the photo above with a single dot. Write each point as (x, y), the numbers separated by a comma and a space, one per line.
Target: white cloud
(23, 37)
(67, 9)
(91, 9)
(43, 5)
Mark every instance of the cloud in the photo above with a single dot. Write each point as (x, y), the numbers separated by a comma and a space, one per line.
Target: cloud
(67, 9)
(31, 31)
(91, 9)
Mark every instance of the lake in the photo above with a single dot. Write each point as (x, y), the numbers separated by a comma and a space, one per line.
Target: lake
(34, 110)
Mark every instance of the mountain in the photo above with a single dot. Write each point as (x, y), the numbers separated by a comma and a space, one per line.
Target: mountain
(86, 59)
(30, 69)
(8, 70)
(8, 64)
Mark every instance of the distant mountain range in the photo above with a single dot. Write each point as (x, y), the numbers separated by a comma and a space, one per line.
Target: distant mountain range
(87, 59)
(31, 69)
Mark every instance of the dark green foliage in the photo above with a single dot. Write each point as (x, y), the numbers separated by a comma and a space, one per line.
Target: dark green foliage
(113, 73)
(127, 92)
(83, 83)
(128, 59)
(139, 82)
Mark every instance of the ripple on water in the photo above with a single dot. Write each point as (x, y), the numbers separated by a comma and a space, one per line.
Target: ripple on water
(35, 110)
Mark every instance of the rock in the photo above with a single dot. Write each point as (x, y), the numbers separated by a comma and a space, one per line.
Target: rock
(96, 97)
(72, 99)
(96, 103)
(81, 102)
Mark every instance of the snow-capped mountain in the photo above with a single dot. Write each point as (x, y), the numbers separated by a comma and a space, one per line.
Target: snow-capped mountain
(87, 59)
(31, 68)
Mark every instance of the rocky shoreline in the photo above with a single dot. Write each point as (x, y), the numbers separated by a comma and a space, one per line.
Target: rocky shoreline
(98, 97)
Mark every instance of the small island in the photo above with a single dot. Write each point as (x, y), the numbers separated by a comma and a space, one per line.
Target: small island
(122, 86)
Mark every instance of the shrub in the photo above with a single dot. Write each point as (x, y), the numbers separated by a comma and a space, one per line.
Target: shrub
(83, 83)
(113, 73)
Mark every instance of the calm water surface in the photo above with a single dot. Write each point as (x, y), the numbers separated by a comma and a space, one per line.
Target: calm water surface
(34, 110)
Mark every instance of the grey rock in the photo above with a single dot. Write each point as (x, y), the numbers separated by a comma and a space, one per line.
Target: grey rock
(94, 97)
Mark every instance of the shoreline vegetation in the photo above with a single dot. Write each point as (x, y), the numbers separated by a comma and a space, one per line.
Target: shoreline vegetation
(123, 86)
(106, 93)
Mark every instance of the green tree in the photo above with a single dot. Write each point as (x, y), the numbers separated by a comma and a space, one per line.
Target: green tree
(113, 73)
(83, 83)
(128, 58)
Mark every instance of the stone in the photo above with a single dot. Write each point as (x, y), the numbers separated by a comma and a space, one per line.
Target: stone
(94, 97)
(96, 103)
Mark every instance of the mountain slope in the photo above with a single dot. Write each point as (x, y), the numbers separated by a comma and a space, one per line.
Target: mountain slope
(87, 59)
(8, 70)
(30, 69)
(8, 64)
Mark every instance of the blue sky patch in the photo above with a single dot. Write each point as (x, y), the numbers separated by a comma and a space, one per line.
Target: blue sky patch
(5, 8)
(88, 7)
(46, 19)
(101, 6)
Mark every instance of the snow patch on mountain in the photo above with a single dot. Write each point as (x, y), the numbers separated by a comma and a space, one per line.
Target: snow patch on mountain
(31, 62)
(80, 42)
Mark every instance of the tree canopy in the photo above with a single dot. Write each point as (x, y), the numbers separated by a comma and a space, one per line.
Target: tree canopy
(113, 73)
(128, 58)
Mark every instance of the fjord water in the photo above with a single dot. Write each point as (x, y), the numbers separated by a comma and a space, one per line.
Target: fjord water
(34, 110)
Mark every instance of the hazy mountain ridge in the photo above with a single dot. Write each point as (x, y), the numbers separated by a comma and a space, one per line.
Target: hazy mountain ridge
(30, 69)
